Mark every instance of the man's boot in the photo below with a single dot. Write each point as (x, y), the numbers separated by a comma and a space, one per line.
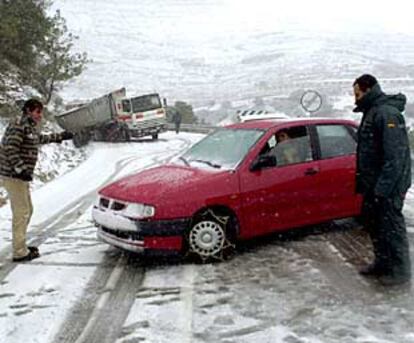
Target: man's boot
(394, 280)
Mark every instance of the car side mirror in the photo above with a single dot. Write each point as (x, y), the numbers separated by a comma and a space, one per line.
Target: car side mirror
(263, 161)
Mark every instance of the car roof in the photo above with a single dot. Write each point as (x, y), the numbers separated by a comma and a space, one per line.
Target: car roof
(265, 124)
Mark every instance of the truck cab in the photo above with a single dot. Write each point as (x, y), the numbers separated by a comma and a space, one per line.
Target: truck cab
(143, 115)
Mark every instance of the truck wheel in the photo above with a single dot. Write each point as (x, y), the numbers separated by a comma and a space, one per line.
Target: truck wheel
(114, 135)
(77, 140)
(85, 136)
(126, 137)
(80, 139)
(155, 136)
(98, 135)
(210, 238)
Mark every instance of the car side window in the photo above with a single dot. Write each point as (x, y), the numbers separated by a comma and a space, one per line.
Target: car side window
(353, 131)
(335, 140)
(289, 146)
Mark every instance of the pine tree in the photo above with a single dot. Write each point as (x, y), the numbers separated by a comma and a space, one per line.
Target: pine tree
(57, 64)
(35, 48)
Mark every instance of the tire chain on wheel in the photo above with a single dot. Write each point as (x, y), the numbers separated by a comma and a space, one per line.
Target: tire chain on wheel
(227, 244)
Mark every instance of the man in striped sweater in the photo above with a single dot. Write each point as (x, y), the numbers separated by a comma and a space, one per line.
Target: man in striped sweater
(18, 156)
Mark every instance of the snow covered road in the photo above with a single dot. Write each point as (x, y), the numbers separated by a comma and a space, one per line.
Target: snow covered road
(295, 288)
(62, 227)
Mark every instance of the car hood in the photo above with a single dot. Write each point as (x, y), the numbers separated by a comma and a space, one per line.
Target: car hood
(152, 185)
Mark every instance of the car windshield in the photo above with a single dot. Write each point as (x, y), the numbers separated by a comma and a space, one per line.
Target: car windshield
(223, 149)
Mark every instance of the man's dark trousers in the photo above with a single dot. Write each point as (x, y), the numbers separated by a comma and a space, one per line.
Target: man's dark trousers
(385, 223)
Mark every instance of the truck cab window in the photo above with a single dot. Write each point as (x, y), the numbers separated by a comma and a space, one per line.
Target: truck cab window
(126, 106)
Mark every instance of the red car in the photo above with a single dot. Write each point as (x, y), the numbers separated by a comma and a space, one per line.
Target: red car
(241, 181)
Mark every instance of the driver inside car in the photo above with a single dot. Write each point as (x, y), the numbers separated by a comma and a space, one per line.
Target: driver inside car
(285, 150)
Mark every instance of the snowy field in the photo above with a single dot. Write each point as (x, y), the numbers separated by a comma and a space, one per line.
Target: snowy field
(81, 290)
(226, 50)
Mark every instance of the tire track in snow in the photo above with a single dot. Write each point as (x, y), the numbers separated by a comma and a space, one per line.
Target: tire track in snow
(97, 318)
(163, 310)
(100, 317)
(186, 319)
(105, 304)
(330, 253)
(339, 254)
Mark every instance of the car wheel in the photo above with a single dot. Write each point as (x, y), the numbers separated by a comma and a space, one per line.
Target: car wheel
(154, 136)
(209, 239)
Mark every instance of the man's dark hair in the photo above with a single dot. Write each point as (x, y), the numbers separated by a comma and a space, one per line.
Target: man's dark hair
(31, 105)
(365, 81)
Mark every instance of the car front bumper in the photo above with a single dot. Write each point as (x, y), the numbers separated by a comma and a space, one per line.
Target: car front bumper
(140, 236)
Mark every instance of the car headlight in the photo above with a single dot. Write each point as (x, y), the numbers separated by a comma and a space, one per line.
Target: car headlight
(135, 210)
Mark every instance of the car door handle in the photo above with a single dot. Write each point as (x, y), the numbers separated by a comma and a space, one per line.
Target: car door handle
(311, 171)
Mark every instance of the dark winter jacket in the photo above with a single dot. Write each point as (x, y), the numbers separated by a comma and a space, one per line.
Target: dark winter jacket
(176, 117)
(383, 153)
(19, 147)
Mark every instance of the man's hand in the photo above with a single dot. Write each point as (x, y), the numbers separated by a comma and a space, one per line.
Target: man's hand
(66, 135)
(25, 176)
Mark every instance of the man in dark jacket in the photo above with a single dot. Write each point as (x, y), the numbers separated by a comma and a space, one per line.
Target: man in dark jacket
(176, 118)
(383, 178)
(18, 157)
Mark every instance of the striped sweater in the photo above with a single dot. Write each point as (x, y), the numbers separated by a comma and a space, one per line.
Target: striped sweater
(20, 146)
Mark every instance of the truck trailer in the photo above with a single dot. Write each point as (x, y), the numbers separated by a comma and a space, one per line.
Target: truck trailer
(115, 117)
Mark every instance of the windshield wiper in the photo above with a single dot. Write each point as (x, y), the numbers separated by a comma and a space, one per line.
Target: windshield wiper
(184, 160)
(214, 165)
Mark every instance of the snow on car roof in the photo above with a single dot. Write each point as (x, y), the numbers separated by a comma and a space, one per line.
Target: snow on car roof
(269, 123)
(247, 115)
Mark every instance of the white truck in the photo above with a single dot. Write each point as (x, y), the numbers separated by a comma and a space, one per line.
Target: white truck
(115, 117)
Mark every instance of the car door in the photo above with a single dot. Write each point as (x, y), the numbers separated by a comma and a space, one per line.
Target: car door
(336, 153)
(280, 196)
